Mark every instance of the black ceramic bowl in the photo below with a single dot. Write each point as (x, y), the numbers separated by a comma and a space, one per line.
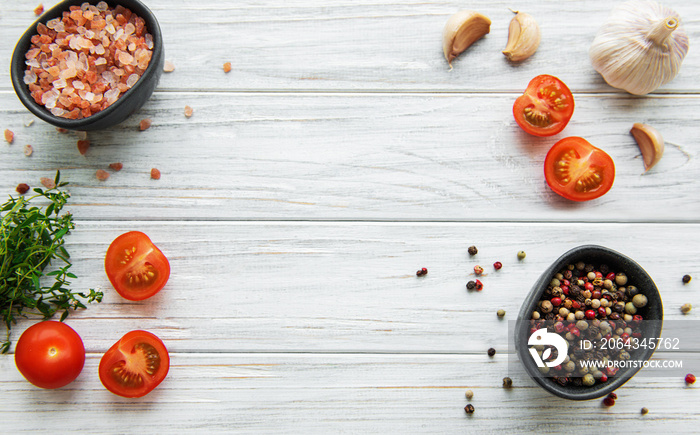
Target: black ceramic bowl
(128, 102)
(651, 326)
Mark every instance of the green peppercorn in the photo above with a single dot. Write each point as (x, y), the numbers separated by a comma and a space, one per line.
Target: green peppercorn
(501, 313)
(507, 382)
(685, 308)
(588, 380)
(630, 308)
(546, 307)
(620, 279)
(469, 394)
(521, 255)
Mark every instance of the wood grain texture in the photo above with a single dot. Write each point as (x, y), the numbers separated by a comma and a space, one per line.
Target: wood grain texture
(273, 393)
(342, 287)
(355, 157)
(367, 45)
(339, 156)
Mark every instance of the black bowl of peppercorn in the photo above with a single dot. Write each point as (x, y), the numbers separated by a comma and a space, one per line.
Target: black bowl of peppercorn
(587, 325)
(57, 68)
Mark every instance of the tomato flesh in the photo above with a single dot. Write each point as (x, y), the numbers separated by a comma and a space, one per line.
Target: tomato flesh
(134, 365)
(50, 354)
(546, 106)
(577, 170)
(136, 267)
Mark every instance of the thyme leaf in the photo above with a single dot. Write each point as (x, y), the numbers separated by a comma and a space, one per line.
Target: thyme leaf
(32, 238)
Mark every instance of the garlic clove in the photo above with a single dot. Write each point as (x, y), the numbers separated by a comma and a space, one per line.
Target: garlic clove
(523, 37)
(650, 143)
(462, 30)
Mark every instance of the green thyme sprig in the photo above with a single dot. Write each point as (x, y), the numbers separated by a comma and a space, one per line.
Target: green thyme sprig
(31, 238)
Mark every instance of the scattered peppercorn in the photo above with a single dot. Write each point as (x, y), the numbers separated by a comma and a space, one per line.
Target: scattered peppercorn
(608, 401)
(471, 285)
(686, 279)
(497, 265)
(507, 382)
(469, 409)
(22, 188)
(472, 250)
(613, 396)
(645, 410)
(469, 394)
(685, 308)
(478, 270)
(521, 255)
(501, 313)
(479, 285)
(690, 379)
(491, 352)
(421, 272)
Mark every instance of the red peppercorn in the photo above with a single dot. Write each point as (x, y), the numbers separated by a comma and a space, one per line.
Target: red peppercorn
(595, 294)
(479, 285)
(625, 337)
(590, 314)
(559, 327)
(602, 312)
(588, 286)
(565, 282)
(690, 379)
(556, 301)
(613, 396)
(576, 331)
(424, 270)
(497, 265)
(637, 318)
(478, 270)
(598, 275)
(604, 378)
(610, 276)
(608, 401)
(576, 305)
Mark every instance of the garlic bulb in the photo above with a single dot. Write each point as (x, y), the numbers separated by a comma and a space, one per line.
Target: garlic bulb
(640, 47)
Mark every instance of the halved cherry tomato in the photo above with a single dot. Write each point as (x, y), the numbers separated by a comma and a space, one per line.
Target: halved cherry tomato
(577, 170)
(50, 354)
(134, 365)
(546, 106)
(136, 267)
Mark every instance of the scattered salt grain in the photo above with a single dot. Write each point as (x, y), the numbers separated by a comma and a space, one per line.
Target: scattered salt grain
(39, 10)
(145, 124)
(116, 166)
(101, 174)
(168, 66)
(22, 188)
(48, 182)
(83, 146)
(9, 136)
(227, 67)
(188, 111)
(28, 150)
(155, 174)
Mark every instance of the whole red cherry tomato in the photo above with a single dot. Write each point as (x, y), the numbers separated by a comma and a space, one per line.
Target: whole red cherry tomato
(136, 267)
(546, 106)
(50, 354)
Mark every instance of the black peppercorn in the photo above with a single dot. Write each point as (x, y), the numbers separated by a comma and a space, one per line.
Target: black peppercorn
(686, 279)
(471, 285)
(491, 352)
(469, 409)
(472, 250)
(507, 382)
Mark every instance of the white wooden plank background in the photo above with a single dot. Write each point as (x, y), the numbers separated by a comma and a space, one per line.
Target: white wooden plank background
(339, 156)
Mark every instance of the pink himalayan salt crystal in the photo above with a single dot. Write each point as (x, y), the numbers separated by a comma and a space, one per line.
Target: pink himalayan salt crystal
(145, 124)
(28, 150)
(168, 66)
(48, 182)
(155, 174)
(116, 166)
(83, 146)
(101, 174)
(188, 111)
(9, 136)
